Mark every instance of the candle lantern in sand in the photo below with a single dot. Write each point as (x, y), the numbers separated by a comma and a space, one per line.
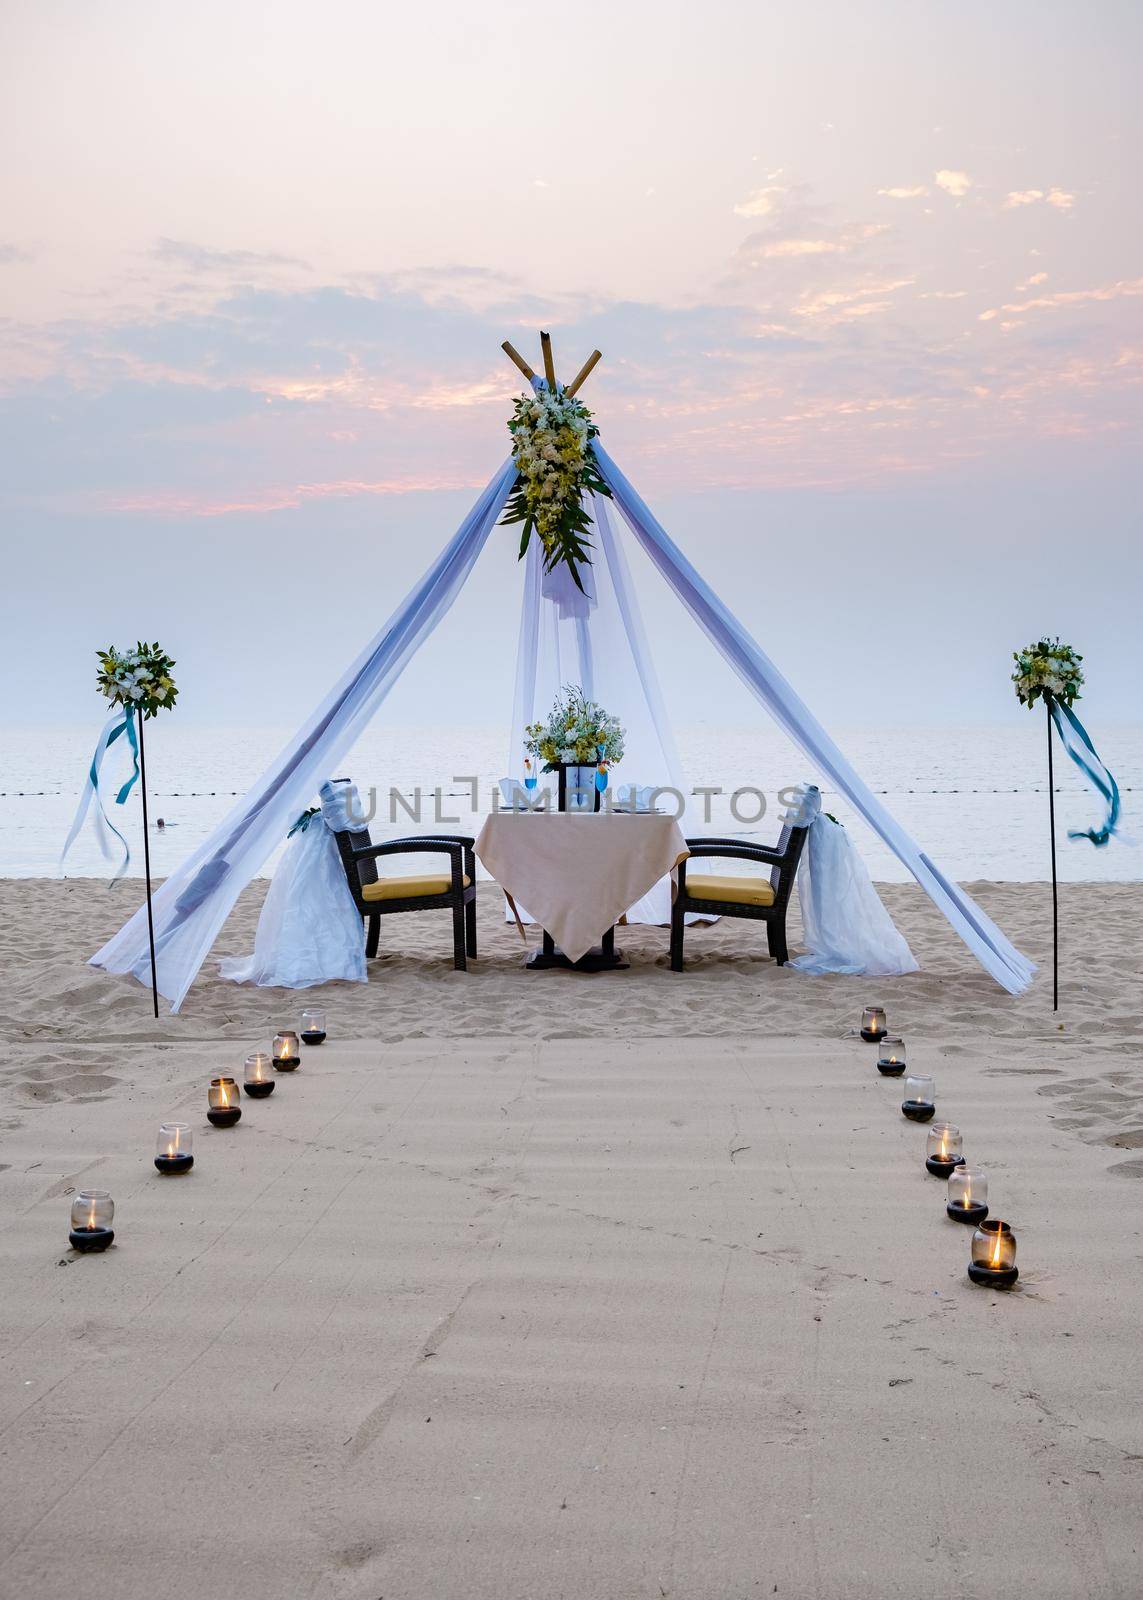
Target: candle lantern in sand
(286, 1051)
(222, 1108)
(92, 1213)
(258, 1079)
(313, 1027)
(968, 1195)
(174, 1148)
(891, 1057)
(944, 1149)
(873, 1024)
(994, 1255)
(920, 1102)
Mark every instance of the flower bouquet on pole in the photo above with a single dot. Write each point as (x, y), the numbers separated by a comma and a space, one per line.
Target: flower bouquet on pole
(139, 685)
(1051, 672)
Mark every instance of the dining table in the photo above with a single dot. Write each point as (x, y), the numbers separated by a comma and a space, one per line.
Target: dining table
(576, 873)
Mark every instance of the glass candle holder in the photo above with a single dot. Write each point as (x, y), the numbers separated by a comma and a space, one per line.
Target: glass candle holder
(286, 1051)
(313, 1027)
(92, 1213)
(258, 1078)
(993, 1262)
(920, 1102)
(873, 1024)
(968, 1195)
(174, 1148)
(944, 1149)
(222, 1108)
(891, 1057)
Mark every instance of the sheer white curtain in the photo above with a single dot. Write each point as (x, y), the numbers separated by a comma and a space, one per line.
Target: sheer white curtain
(1012, 970)
(195, 901)
(597, 642)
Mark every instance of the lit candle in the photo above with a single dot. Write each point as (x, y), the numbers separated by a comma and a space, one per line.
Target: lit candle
(943, 1149)
(92, 1213)
(222, 1100)
(313, 1027)
(993, 1262)
(873, 1024)
(173, 1148)
(920, 1102)
(286, 1048)
(968, 1195)
(259, 1075)
(891, 1057)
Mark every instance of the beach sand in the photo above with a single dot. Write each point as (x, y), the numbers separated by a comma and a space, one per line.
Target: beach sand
(543, 1285)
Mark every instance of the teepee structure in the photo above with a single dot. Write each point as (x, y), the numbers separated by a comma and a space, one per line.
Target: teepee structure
(567, 634)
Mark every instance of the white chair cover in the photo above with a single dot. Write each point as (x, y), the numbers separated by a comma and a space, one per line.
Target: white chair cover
(309, 931)
(845, 926)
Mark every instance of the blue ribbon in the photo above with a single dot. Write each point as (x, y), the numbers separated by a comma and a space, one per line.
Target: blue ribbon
(1076, 741)
(124, 725)
(304, 821)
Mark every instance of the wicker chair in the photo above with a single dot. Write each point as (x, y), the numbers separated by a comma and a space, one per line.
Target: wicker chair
(377, 897)
(761, 899)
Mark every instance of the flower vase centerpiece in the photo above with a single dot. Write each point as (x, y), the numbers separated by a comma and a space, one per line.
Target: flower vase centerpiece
(579, 740)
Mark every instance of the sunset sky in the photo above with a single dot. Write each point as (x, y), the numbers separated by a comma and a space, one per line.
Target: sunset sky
(868, 280)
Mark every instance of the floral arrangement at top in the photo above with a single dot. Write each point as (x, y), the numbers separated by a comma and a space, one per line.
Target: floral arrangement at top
(1047, 670)
(551, 447)
(139, 679)
(576, 733)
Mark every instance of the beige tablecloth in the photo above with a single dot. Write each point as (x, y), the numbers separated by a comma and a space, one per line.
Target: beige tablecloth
(576, 874)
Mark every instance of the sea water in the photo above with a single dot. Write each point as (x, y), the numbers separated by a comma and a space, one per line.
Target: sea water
(974, 798)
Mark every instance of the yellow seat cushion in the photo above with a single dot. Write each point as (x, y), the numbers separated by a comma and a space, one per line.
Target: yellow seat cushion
(406, 888)
(735, 891)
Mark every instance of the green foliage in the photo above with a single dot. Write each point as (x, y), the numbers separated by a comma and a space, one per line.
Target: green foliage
(574, 733)
(1047, 670)
(556, 466)
(140, 678)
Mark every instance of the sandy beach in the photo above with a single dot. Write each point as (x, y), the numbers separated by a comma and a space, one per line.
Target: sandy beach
(543, 1285)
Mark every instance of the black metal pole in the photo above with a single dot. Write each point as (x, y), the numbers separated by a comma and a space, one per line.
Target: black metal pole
(1055, 897)
(147, 864)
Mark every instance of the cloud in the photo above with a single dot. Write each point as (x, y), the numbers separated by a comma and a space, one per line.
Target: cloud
(780, 245)
(761, 203)
(905, 194)
(1061, 199)
(952, 182)
(10, 254)
(191, 257)
(828, 308)
(1124, 289)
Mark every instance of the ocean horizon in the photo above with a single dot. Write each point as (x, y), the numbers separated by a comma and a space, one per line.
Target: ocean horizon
(974, 797)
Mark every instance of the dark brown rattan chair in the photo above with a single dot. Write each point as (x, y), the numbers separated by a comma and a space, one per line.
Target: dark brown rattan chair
(377, 897)
(762, 899)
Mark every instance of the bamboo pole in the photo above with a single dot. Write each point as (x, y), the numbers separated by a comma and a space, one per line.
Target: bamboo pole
(584, 372)
(549, 364)
(514, 355)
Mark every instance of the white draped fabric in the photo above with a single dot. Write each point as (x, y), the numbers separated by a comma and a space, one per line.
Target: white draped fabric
(1012, 970)
(196, 899)
(844, 925)
(597, 642)
(611, 662)
(309, 930)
